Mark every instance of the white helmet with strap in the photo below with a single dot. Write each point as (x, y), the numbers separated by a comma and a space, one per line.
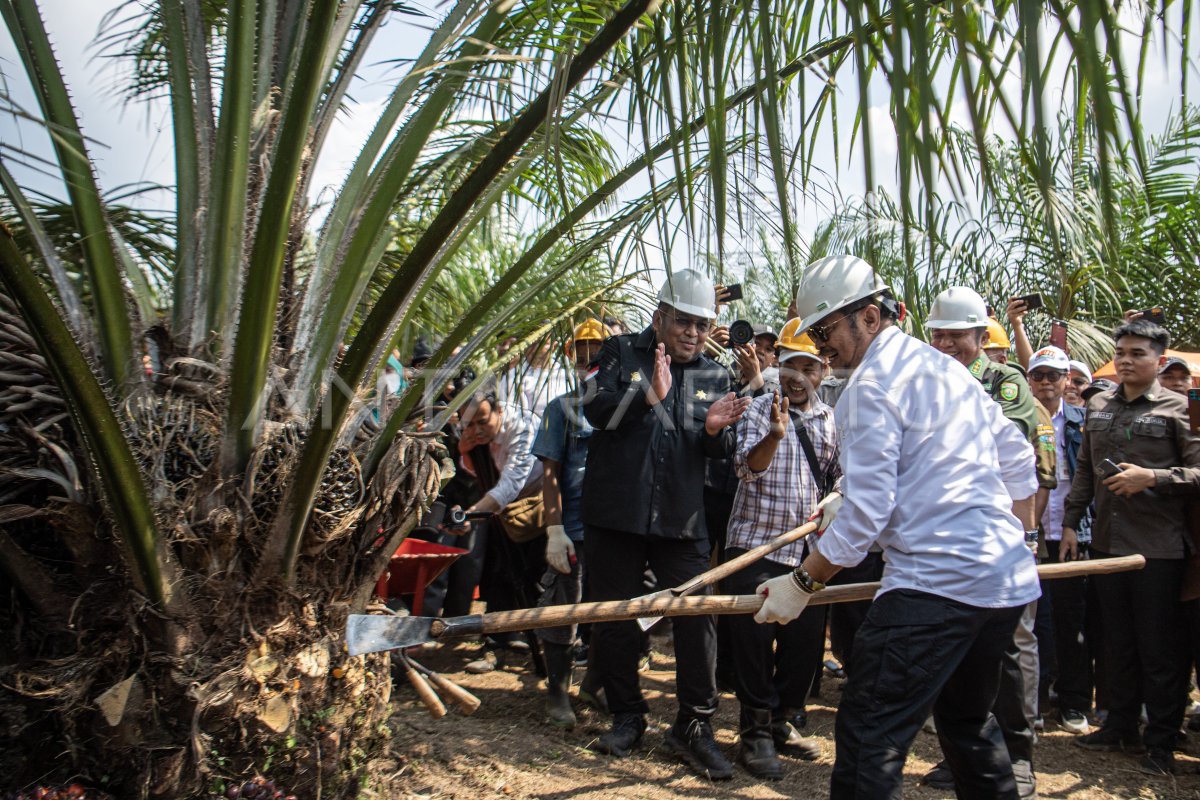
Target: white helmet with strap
(691, 292)
(832, 283)
(957, 309)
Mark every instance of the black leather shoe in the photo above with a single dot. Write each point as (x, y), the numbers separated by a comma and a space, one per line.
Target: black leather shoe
(940, 778)
(626, 732)
(1108, 740)
(692, 741)
(785, 733)
(757, 747)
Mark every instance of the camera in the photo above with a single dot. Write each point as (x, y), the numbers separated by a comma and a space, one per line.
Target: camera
(456, 517)
(741, 332)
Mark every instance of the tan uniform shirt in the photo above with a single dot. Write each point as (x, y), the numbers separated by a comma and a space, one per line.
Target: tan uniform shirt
(1150, 431)
(1045, 449)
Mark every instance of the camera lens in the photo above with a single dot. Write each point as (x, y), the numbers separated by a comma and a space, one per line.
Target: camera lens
(741, 332)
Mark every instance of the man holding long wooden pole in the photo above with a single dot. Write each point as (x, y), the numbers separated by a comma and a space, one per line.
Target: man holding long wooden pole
(930, 471)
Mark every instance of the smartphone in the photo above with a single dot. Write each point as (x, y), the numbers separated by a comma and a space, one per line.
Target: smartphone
(1107, 468)
(1155, 315)
(1194, 410)
(732, 292)
(1031, 301)
(1058, 335)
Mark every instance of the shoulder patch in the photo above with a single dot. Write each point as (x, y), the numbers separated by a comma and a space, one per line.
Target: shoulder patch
(1008, 391)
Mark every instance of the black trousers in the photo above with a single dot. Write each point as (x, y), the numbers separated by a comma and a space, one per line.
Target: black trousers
(774, 664)
(845, 618)
(718, 507)
(1015, 727)
(616, 561)
(916, 652)
(1069, 610)
(1144, 657)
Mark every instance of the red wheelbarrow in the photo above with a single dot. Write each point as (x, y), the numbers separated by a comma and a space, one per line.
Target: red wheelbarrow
(413, 567)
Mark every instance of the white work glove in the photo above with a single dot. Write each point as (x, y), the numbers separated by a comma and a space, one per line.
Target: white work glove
(783, 600)
(827, 509)
(560, 550)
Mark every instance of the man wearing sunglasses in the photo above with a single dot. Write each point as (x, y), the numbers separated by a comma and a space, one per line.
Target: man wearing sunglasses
(659, 408)
(930, 470)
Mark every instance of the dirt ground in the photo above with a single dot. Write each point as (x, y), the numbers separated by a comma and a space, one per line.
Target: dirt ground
(507, 750)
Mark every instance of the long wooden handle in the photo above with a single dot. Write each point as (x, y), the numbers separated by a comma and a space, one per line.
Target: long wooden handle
(745, 559)
(428, 696)
(618, 610)
(466, 701)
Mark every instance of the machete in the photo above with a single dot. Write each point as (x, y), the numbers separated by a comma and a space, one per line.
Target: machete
(370, 633)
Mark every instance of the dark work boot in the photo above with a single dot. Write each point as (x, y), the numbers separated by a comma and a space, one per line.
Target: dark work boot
(558, 684)
(691, 740)
(626, 732)
(757, 750)
(785, 732)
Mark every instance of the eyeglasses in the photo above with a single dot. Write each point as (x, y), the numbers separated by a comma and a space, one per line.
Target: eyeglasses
(1080, 382)
(683, 323)
(1048, 375)
(821, 332)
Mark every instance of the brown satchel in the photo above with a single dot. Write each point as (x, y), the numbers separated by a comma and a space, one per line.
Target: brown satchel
(524, 519)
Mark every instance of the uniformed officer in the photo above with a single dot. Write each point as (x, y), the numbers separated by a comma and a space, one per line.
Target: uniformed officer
(1140, 463)
(930, 470)
(958, 327)
(659, 407)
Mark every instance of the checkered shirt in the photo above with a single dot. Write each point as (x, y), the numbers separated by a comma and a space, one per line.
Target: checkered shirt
(785, 494)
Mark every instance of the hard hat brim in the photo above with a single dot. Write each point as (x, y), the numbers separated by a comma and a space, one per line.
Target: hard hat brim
(788, 355)
(696, 311)
(953, 325)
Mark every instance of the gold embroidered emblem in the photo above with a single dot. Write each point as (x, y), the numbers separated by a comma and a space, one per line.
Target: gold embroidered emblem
(701, 394)
(636, 377)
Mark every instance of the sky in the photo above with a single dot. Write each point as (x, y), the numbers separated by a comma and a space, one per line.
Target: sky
(132, 143)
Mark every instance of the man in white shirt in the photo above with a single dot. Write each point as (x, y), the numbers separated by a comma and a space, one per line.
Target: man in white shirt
(931, 468)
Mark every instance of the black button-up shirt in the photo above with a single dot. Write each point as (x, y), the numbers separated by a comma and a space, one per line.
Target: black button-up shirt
(645, 466)
(1151, 431)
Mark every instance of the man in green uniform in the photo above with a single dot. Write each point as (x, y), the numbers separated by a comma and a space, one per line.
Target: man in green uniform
(958, 327)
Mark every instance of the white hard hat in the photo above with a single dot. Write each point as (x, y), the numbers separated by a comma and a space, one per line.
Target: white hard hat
(690, 292)
(832, 283)
(956, 309)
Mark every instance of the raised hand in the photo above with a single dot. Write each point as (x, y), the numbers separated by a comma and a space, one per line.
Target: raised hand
(747, 361)
(779, 418)
(725, 411)
(660, 381)
(1016, 311)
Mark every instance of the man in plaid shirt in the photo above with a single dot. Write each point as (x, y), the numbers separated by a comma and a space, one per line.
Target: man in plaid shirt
(779, 443)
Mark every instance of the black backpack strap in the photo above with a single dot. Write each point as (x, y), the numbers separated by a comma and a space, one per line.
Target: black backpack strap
(810, 453)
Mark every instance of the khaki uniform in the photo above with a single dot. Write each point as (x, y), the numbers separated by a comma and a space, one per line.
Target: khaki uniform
(1045, 448)
(1008, 387)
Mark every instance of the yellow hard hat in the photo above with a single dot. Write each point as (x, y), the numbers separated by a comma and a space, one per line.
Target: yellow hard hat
(791, 338)
(997, 337)
(590, 330)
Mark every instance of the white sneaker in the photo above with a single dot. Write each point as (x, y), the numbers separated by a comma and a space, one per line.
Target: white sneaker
(929, 727)
(1193, 709)
(1073, 721)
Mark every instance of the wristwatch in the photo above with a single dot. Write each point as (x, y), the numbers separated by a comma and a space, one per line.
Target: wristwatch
(1031, 539)
(805, 582)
